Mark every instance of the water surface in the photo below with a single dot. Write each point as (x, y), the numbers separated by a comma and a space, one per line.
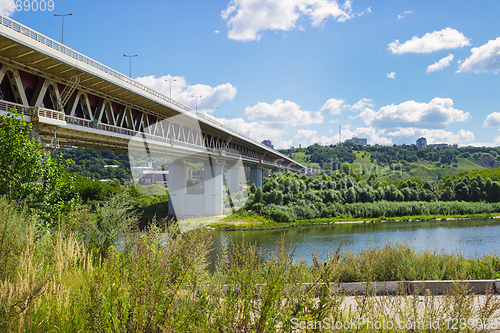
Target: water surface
(468, 237)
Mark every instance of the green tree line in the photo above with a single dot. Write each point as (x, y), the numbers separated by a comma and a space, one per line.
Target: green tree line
(334, 155)
(289, 196)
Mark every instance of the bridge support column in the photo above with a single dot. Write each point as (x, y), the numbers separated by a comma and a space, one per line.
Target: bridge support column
(177, 188)
(256, 176)
(213, 196)
(235, 174)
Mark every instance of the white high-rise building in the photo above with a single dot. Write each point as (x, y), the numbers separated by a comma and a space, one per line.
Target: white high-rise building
(421, 143)
(359, 141)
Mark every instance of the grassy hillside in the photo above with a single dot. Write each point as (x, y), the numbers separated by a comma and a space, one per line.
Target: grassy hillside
(300, 157)
(421, 169)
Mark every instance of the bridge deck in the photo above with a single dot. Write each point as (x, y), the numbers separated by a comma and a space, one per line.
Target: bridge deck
(110, 103)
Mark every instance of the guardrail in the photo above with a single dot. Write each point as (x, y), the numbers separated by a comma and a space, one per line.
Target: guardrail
(32, 111)
(47, 41)
(47, 113)
(125, 131)
(8, 106)
(57, 115)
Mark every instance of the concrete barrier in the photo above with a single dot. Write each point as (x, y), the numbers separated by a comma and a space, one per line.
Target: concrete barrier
(436, 287)
(439, 287)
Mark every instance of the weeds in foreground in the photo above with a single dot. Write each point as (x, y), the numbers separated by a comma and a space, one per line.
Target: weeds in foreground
(158, 281)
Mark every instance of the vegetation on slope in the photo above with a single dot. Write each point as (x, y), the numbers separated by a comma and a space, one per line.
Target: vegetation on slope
(100, 274)
(404, 161)
(289, 197)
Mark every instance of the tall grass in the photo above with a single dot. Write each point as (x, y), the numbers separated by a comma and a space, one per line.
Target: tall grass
(157, 280)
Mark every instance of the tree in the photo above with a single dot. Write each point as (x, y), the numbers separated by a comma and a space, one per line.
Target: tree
(29, 175)
(462, 191)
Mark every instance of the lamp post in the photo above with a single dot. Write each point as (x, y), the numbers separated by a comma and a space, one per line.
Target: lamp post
(215, 111)
(170, 80)
(130, 68)
(63, 15)
(196, 101)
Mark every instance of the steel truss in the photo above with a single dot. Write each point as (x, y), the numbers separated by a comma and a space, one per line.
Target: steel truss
(112, 115)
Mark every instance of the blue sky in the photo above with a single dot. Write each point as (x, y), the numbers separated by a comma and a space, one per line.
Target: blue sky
(292, 71)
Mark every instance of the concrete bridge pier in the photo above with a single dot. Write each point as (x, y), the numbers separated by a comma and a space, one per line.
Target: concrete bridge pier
(213, 195)
(177, 188)
(209, 203)
(235, 175)
(256, 176)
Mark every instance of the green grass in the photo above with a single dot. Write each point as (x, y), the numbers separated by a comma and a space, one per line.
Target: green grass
(362, 158)
(421, 169)
(245, 220)
(159, 280)
(428, 170)
(300, 157)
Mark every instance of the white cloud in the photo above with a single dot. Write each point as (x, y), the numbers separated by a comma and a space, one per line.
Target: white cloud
(216, 32)
(183, 92)
(495, 143)
(391, 75)
(258, 131)
(438, 66)
(336, 106)
(492, 120)
(374, 136)
(361, 105)
(333, 106)
(308, 137)
(7, 7)
(366, 11)
(441, 136)
(434, 135)
(436, 114)
(246, 19)
(282, 114)
(447, 38)
(402, 16)
(485, 58)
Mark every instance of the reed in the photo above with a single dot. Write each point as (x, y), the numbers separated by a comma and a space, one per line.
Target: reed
(158, 280)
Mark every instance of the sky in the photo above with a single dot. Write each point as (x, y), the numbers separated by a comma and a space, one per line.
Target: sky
(293, 71)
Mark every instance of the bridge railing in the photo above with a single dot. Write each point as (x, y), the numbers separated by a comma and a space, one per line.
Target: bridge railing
(18, 27)
(129, 132)
(48, 113)
(32, 111)
(9, 106)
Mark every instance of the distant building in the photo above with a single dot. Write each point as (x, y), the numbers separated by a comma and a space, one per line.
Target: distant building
(358, 141)
(268, 143)
(422, 143)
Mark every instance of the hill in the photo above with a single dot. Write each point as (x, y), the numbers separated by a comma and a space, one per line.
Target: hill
(398, 162)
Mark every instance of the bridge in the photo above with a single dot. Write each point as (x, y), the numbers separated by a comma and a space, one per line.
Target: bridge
(76, 102)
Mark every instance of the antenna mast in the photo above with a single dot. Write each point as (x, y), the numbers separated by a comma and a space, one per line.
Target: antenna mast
(340, 134)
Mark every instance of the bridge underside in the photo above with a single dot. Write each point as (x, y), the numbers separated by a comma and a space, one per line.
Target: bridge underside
(76, 102)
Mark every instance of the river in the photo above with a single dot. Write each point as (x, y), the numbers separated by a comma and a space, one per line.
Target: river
(468, 237)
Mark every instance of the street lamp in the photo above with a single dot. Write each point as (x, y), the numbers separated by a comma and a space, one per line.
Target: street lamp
(130, 57)
(63, 15)
(170, 86)
(196, 101)
(215, 111)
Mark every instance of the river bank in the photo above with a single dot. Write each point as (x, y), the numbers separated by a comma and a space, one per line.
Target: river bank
(239, 222)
